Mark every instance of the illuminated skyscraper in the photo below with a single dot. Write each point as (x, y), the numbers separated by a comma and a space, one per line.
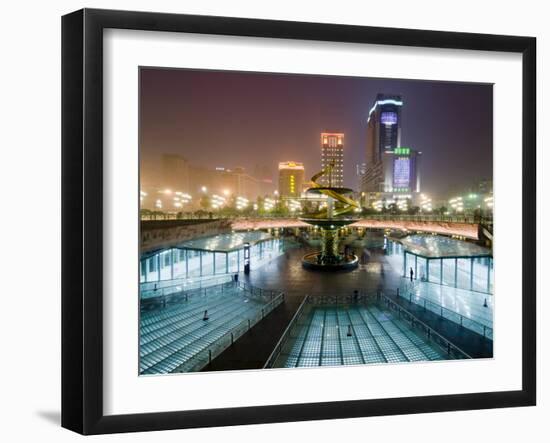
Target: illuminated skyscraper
(291, 179)
(332, 152)
(383, 136)
(390, 167)
(384, 126)
(405, 175)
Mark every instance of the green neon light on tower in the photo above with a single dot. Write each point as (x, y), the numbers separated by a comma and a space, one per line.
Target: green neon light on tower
(402, 151)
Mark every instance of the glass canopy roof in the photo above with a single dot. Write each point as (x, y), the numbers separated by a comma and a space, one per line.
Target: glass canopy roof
(434, 246)
(226, 242)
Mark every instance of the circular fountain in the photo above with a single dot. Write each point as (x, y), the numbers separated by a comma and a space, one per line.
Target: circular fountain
(329, 221)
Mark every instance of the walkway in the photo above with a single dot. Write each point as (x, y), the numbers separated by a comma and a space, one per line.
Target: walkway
(286, 274)
(355, 334)
(253, 349)
(470, 342)
(476, 306)
(172, 337)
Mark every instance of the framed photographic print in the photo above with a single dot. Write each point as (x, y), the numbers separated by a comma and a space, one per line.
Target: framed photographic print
(269, 221)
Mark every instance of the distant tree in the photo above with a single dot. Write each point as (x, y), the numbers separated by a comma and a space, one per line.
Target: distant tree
(309, 207)
(280, 209)
(204, 202)
(260, 203)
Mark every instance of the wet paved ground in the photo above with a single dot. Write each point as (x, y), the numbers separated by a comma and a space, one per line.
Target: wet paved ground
(287, 274)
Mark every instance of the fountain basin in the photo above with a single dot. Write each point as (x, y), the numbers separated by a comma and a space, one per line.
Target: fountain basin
(346, 262)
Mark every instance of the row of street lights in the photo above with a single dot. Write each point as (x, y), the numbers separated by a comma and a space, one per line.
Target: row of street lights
(179, 199)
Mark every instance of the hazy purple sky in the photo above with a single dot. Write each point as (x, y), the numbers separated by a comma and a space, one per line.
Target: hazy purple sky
(231, 119)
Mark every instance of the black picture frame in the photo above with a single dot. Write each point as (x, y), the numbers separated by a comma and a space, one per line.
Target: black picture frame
(82, 232)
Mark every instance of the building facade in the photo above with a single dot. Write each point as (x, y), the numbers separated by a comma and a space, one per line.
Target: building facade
(332, 153)
(291, 179)
(175, 172)
(226, 182)
(390, 168)
(383, 136)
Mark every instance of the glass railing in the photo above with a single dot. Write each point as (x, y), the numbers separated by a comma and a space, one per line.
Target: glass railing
(209, 353)
(168, 298)
(464, 218)
(455, 218)
(359, 296)
(258, 293)
(363, 296)
(286, 335)
(453, 351)
(455, 317)
(167, 287)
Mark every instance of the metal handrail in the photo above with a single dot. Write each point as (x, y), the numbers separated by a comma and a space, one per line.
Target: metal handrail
(487, 330)
(324, 299)
(282, 340)
(206, 355)
(176, 296)
(430, 331)
(256, 291)
(467, 218)
(179, 285)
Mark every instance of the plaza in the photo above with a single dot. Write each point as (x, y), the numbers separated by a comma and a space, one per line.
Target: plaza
(278, 314)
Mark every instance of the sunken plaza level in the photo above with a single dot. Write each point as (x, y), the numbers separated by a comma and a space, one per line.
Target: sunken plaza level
(196, 315)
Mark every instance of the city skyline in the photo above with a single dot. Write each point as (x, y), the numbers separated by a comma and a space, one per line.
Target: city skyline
(205, 115)
(324, 195)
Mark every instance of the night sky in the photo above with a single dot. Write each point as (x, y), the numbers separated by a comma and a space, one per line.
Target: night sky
(230, 119)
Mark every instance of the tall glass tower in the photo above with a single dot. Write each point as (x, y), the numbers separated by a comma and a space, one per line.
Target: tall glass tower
(383, 137)
(383, 126)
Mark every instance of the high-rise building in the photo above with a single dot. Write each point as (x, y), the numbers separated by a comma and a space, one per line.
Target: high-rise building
(360, 170)
(175, 172)
(390, 167)
(484, 186)
(384, 126)
(405, 175)
(265, 178)
(383, 136)
(225, 182)
(332, 153)
(291, 179)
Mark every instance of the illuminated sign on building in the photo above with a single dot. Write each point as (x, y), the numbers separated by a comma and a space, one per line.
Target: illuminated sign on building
(402, 151)
(291, 165)
(291, 178)
(401, 172)
(388, 118)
